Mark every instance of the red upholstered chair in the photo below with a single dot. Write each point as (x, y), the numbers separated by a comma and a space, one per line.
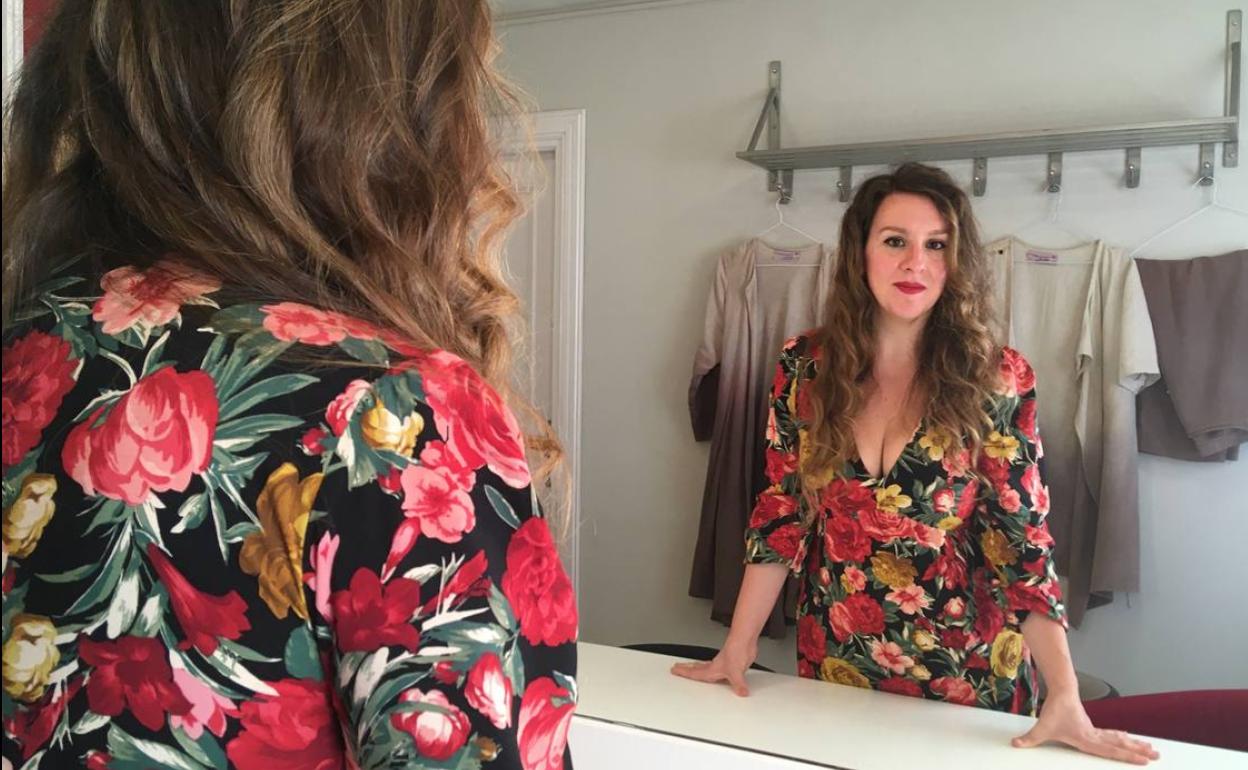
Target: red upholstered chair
(1217, 718)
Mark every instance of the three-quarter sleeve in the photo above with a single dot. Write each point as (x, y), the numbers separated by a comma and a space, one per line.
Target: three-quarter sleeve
(444, 620)
(1012, 536)
(778, 532)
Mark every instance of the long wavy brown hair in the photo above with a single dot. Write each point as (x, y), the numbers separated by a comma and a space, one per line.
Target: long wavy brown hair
(344, 153)
(959, 358)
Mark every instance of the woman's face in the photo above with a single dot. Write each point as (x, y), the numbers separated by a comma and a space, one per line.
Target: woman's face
(906, 256)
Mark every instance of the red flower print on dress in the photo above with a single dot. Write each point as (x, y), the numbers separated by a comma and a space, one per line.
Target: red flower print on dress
(772, 504)
(145, 299)
(787, 541)
(474, 421)
(890, 656)
(1016, 374)
(812, 639)
(901, 685)
(847, 496)
(98, 760)
(293, 322)
(488, 690)
(858, 614)
(208, 709)
(31, 725)
(1026, 419)
(294, 729)
(545, 716)
(954, 690)
(437, 734)
(538, 588)
(132, 672)
(38, 371)
(885, 526)
(779, 465)
(155, 439)
(318, 577)
(989, 617)
(368, 615)
(435, 498)
(203, 617)
(468, 581)
(844, 539)
(339, 412)
(1036, 490)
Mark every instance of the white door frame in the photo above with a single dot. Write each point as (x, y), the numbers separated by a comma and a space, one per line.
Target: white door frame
(562, 132)
(13, 42)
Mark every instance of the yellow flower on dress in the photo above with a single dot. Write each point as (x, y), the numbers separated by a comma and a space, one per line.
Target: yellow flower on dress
(1007, 654)
(997, 548)
(923, 640)
(383, 429)
(936, 442)
(949, 523)
(921, 673)
(848, 584)
(30, 655)
(895, 572)
(275, 553)
(25, 519)
(804, 453)
(890, 499)
(1001, 447)
(842, 672)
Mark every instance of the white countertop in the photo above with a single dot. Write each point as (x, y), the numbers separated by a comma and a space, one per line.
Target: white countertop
(827, 725)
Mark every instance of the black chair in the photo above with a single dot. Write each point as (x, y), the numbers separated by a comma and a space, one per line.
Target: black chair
(690, 651)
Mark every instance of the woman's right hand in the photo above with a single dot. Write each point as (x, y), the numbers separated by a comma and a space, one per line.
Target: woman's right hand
(728, 666)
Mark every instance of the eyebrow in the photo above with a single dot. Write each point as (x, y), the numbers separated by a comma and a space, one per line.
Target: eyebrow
(904, 231)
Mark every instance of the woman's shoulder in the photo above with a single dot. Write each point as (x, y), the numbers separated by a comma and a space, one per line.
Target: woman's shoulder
(1016, 378)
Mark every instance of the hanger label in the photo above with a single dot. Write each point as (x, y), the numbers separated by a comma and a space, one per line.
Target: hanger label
(1041, 257)
(787, 255)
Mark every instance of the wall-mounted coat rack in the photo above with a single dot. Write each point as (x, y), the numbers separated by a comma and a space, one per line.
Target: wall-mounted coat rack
(1204, 132)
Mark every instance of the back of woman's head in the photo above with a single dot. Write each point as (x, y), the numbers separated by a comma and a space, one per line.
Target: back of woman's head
(337, 152)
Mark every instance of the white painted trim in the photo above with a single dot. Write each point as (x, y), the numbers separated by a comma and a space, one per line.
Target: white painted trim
(585, 9)
(563, 133)
(13, 43)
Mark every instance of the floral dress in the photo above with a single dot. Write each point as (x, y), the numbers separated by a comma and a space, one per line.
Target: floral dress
(219, 554)
(918, 582)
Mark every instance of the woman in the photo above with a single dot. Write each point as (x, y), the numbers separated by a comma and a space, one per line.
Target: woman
(265, 503)
(906, 490)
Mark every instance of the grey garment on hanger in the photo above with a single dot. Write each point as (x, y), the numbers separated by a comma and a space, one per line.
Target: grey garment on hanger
(1199, 310)
(761, 297)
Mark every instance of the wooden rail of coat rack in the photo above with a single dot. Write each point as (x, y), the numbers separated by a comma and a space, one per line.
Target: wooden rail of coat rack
(780, 163)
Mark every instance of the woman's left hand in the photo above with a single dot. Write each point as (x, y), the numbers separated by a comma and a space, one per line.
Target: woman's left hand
(1064, 720)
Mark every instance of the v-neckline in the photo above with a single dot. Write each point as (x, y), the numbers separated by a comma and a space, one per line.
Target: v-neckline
(862, 464)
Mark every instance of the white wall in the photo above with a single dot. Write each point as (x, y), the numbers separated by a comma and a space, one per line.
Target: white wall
(672, 93)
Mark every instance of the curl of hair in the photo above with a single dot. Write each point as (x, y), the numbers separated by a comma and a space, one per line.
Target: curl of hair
(343, 153)
(959, 359)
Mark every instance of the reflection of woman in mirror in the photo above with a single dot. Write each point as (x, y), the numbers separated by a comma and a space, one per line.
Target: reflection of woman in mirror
(906, 488)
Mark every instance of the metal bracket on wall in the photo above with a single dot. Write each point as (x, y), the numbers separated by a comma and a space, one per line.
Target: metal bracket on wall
(1234, 60)
(979, 177)
(1206, 164)
(845, 185)
(780, 163)
(1133, 167)
(1054, 183)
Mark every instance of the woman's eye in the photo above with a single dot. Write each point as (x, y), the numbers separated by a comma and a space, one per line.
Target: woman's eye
(894, 241)
(936, 245)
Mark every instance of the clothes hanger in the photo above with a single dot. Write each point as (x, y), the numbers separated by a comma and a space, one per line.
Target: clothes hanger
(1052, 219)
(1212, 203)
(780, 223)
